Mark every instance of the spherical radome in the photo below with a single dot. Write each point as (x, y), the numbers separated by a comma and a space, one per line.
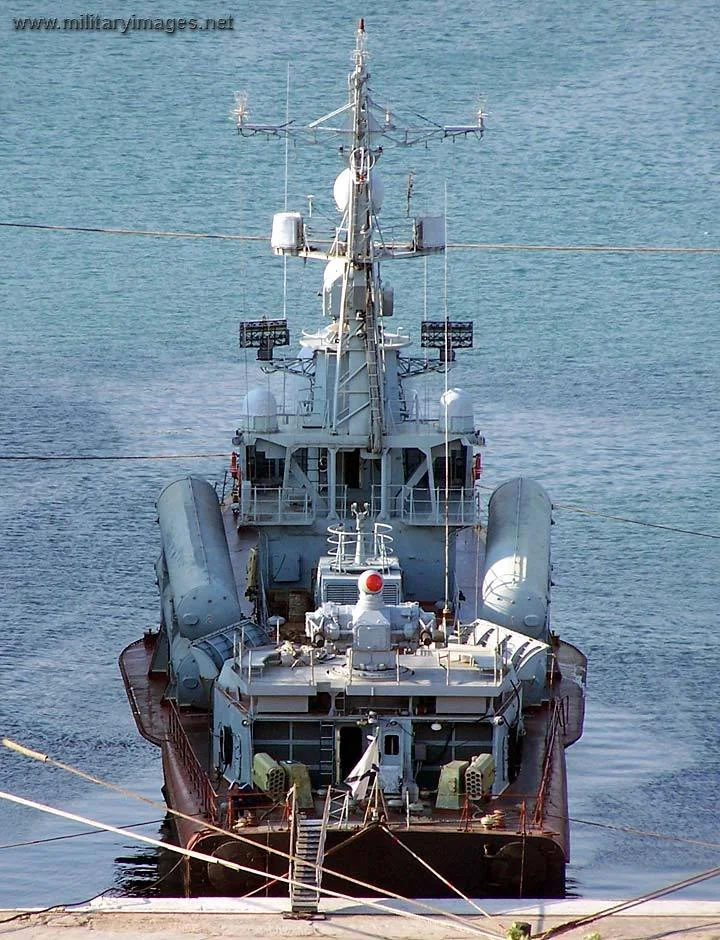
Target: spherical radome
(343, 185)
(260, 403)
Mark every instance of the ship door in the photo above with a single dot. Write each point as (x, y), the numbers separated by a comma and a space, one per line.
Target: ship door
(351, 748)
(391, 760)
(395, 748)
(349, 469)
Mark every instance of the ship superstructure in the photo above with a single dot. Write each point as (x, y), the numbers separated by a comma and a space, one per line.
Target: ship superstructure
(351, 661)
(359, 433)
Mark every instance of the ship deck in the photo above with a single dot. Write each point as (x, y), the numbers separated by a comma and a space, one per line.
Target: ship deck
(523, 850)
(535, 803)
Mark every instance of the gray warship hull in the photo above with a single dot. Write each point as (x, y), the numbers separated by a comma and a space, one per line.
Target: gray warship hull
(355, 684)
(526, 856)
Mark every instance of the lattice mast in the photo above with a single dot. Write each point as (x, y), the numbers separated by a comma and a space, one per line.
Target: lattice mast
(357, 244)
(359, 269)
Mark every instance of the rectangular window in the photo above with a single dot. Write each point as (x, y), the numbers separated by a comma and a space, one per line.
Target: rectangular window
(262, 470)
(392, 745)
(412, 458)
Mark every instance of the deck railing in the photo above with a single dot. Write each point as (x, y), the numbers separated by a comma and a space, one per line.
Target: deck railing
(196, 772)
(420, 505)
(553, 735)
(415, 505)
(273, 504)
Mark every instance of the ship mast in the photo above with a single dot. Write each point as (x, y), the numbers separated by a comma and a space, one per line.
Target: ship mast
(356, 253)
(359, 256)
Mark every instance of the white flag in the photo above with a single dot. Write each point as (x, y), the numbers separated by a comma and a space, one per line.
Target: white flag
(362, 773)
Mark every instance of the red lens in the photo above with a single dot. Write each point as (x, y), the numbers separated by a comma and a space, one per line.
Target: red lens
(373, 582)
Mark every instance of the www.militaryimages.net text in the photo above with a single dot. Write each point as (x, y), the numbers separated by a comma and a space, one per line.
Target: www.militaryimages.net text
(93, 22)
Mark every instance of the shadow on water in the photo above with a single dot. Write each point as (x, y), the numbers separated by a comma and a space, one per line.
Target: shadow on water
(151, 872)
(573, 888)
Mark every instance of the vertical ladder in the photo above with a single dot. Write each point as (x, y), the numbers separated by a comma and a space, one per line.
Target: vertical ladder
(374, 383)
(327, 752)
(404, 410)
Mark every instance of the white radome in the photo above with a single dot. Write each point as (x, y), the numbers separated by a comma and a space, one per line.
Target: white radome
(459, 407)
(343, 184)
(260, 408)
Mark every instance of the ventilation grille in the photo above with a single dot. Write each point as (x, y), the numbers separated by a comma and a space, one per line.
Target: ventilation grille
(391, 593)
(339, 592)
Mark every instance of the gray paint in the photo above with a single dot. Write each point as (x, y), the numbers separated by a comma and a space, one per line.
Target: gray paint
(516, 576)
(199, 572)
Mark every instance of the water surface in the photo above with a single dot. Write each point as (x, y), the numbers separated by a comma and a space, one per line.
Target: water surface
(596, 373)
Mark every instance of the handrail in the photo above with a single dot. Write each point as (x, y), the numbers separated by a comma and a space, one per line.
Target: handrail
(343, 544)
(196, 772)
(423, 504)
(558, 718)
(291, 804)
(268, 503)
(323, 834)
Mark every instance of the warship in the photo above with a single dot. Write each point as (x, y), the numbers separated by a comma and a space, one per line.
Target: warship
(355, 683)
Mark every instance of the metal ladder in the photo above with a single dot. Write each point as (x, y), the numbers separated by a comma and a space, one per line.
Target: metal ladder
(309, 849)
(374, 387)
(307, 853)
(339, 808)
(327, 752)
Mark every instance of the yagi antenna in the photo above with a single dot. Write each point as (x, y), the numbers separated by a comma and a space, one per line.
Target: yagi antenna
(240, 110)
(383, 123)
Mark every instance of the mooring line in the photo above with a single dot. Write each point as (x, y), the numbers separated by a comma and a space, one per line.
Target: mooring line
(22, 915)
(452, 246)
(434, 871)
(46, 759)
(607, 249)
(10, 458)
(641, 833)
(153, 233)
(50, 457)
(566, 507)
(626, 905)
(225, 863)
(640, 522)
(75, 835)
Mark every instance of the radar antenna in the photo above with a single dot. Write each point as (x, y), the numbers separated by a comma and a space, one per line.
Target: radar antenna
(365, 130)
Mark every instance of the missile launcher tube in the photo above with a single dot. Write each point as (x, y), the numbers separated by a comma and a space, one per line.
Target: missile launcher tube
(200, 578)
(516, 576)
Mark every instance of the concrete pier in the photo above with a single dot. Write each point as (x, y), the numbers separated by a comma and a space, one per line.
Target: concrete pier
(210, 918)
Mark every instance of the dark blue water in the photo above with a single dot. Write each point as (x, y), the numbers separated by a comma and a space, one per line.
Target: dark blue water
(599, 374)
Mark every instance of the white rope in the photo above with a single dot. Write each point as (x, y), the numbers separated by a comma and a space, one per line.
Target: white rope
(436, 873)
(473, 246)
(446, 605)
(46, 759)
(224, 863)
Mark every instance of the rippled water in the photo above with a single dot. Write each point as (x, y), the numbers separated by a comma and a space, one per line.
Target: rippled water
(599, 374)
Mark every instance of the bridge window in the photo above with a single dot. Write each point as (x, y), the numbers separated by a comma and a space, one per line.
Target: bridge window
(263, 470)
(412, 458)
(392, 745)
